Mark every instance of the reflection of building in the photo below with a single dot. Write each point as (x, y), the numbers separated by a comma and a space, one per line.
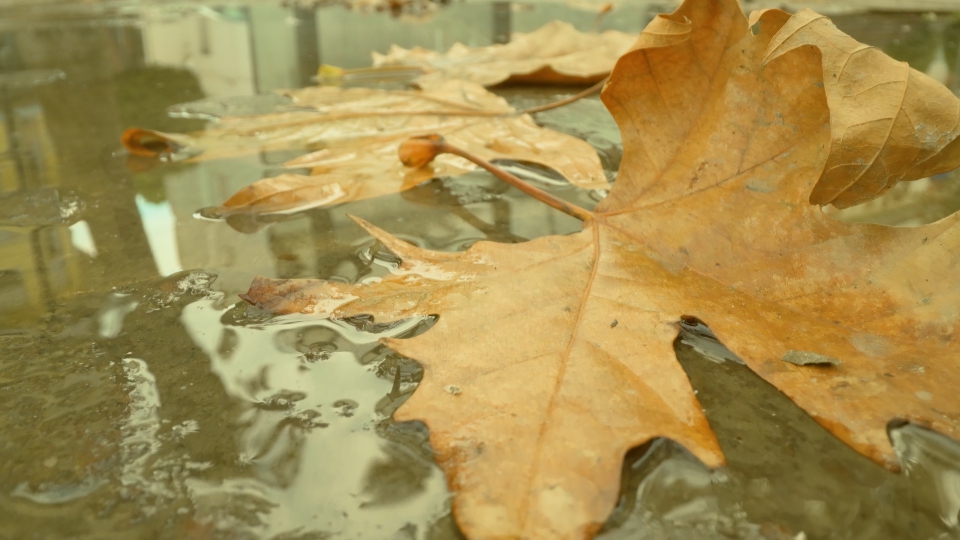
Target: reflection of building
(236, 50)
(214, 45)
(37, 262)
(32, 161)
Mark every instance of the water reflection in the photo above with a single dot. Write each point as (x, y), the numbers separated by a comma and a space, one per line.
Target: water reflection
(310, 432)
(932, 463)
(37, 260)
(160, 224)
(213, 43)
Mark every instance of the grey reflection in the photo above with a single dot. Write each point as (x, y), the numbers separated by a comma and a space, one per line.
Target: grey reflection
(400, 474)
(501, 22)
(308, 45)
(214, 43)
(38, 262)
(273, 440)
(668, 493)
(317, 450)
(932, 464)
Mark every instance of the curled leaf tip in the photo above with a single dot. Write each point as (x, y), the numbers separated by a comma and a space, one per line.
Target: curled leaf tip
(417, 152)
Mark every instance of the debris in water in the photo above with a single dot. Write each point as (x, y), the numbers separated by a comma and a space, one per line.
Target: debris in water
(807, 358)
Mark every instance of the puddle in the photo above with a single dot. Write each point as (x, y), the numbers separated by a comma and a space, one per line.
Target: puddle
(143, 400)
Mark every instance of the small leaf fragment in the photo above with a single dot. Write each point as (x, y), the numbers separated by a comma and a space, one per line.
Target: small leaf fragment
(807, 358)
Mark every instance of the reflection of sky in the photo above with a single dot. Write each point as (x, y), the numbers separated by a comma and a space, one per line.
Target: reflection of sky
(319, 478)
(82, 238)
(160, 224)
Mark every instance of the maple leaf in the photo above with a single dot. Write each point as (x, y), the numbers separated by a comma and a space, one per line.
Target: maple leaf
(552, 358)
(555, 53)
(359, 130)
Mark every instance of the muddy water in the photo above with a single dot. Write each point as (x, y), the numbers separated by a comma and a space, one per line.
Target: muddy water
(140, 399)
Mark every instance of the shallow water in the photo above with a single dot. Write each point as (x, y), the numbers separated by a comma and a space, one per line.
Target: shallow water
(142, 399)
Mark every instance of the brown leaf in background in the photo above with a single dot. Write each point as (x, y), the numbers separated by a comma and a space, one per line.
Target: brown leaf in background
(552, 358)
(556, 53)
(359, 131)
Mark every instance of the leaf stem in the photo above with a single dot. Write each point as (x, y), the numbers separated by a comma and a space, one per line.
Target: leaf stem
(593, 89)
(419, 151)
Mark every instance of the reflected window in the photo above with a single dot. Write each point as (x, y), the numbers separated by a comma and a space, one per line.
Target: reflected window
(53, 253)
(30, 159)
(13, 292)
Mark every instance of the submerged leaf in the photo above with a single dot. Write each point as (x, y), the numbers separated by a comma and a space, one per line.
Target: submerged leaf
(287, 193)
(554, 53)
(359, 131)
(562, 347)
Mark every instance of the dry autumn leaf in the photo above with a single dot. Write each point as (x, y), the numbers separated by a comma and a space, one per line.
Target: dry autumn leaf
(552, 358)
(360, 129)
(554, 53)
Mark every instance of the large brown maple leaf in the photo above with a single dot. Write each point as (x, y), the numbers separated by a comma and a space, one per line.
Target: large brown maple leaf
(552, 358)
